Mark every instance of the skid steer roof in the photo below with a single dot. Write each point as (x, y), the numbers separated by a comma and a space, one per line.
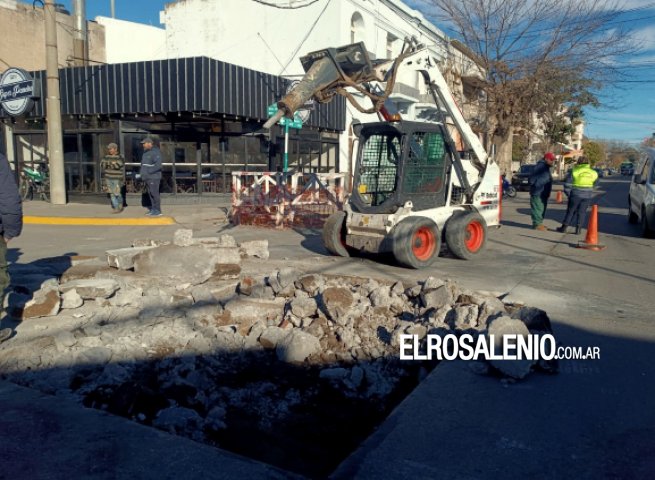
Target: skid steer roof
(401, 126)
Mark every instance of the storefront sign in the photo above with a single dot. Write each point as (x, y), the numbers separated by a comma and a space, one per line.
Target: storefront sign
(17, 92)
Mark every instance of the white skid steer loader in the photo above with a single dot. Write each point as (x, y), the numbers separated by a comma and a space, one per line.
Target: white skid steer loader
(412, 189)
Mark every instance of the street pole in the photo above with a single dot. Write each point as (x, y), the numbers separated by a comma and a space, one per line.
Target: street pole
(53, 107)
(113, 9)
(80, 41)
(286, 145)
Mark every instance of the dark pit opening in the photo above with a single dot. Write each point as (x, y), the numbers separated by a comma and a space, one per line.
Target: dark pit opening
(289, 416)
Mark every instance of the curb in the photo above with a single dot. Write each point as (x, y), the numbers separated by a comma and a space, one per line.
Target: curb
(97, 221)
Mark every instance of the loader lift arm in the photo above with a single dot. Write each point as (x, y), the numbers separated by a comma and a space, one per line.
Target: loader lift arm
(330, 71)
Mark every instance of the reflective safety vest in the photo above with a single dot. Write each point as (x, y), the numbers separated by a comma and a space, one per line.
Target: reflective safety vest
(584, 176)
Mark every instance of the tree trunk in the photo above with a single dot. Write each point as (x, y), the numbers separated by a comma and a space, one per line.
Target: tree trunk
(504, 151)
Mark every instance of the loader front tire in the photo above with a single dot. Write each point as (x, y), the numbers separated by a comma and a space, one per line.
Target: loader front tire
(466, 234)
(334, 234)
(415, 242)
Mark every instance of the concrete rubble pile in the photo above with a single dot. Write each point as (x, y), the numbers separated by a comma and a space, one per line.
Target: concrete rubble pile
(163, 332)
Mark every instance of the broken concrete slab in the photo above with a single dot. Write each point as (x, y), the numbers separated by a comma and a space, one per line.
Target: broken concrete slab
(192, 264)
(271, 336)
(92, 288)
(85, 270)
(243, 309)
(304, 307)
(497, 329)
(123, 258)
(183, 237)
(43, 304)
(255, 248)
(71, 299)
(297, 346)
(148, 242)
(336, 302)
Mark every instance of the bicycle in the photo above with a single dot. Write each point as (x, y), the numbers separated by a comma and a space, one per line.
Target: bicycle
(34, 181)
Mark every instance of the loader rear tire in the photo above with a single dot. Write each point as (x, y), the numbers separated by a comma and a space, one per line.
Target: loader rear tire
(416, 242)
(466, 234)
(334, 234)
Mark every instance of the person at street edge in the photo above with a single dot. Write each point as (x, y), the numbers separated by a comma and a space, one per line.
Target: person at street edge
(11, 225)
(541, 184)
(151, 174)
(113, 171)
(579, 187)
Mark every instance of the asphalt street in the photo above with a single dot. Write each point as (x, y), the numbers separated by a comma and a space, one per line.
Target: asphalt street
(593, 420)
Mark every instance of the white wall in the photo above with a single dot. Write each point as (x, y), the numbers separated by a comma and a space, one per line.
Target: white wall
(269, 39)
(132, 42)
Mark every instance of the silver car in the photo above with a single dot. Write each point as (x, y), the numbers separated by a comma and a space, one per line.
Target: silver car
(641, 199)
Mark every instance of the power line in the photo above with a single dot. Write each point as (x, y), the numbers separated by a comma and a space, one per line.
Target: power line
(269, 49)
(302, 42)
(289, 7)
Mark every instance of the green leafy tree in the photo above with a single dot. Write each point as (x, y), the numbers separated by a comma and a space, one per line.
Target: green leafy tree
(595, 152)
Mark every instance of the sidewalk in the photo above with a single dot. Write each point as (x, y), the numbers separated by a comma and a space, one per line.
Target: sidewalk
(43, 213)
(50, 437)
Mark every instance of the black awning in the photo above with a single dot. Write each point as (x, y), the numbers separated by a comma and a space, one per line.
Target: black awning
(198, 84)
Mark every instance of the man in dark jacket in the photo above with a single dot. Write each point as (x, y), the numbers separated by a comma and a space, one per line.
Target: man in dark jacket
(151, 174)
(541, 184)
(11, 224)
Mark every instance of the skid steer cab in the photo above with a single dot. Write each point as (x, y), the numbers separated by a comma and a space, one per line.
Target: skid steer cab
(407, 200)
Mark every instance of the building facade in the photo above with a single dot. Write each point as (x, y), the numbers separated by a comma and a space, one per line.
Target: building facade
(205, 115)
(276, 36)
(240, 67)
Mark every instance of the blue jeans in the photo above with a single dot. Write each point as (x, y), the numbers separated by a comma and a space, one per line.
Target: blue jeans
(576, 210)
(114, 187)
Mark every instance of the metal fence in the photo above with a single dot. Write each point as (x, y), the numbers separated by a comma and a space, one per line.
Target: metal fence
(286, 199)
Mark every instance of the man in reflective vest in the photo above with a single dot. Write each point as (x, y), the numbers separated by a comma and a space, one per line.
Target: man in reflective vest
(579, 186)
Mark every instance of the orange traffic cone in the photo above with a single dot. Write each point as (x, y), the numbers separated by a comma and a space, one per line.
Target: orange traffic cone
(559, 198)
(591, 240)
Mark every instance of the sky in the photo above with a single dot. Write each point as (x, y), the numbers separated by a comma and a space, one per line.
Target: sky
(631, 118)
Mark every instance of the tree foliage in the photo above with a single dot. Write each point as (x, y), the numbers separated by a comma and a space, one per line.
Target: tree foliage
(617, 152)
(595, 152)
(549, 57)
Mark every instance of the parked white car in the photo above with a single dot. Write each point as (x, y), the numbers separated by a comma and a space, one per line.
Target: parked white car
(641, 199)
